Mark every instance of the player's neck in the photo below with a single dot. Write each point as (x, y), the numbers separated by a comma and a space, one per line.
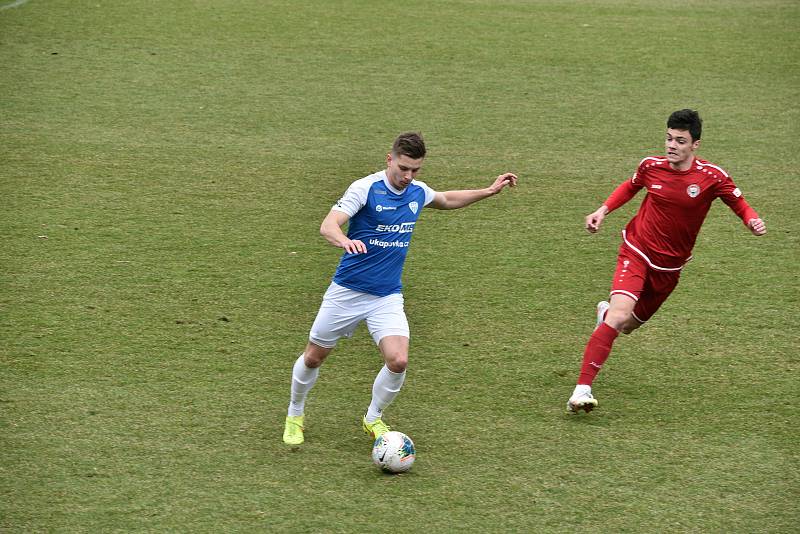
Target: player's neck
(682, 166)
(392, 187)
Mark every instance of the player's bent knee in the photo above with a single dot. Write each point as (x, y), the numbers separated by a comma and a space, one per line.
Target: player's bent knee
(397, 365)
(617, 320)
(630, 325)
(315, 355)
(394, 349)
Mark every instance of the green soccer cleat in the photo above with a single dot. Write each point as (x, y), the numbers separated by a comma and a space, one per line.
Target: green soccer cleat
(376, 429)
(293, 432)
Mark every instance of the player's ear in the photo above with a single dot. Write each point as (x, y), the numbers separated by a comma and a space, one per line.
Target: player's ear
(388, 159)
(696, 144)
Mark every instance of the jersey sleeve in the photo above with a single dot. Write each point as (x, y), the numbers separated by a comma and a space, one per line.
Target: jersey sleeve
(429, 192)
(354, 198)
(732, 196)
(627, 189)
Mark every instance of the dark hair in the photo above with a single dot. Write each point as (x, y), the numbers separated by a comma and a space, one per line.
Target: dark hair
(686, 119)
(409, 144)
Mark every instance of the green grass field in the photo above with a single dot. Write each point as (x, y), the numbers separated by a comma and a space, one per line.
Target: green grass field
(163, 172)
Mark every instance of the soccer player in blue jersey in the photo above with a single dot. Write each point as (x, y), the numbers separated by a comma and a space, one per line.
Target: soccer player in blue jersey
(382, 210)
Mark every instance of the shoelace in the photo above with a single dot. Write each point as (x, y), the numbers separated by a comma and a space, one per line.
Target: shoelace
(378, 427)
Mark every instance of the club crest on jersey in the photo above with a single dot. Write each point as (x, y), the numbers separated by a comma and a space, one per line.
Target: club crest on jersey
(413, 206)
(693, 190)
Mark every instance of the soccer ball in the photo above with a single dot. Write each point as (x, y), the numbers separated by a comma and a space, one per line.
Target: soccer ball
(394, 452)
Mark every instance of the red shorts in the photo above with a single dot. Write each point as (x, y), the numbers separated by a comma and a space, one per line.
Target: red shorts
(648, 286)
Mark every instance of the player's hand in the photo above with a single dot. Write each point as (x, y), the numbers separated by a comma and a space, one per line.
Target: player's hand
(595, 219)
(354, 246)
(757, 226)
(506, 179)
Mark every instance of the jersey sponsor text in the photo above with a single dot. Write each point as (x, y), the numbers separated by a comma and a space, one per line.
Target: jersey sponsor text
(403, 228)
(385, 244)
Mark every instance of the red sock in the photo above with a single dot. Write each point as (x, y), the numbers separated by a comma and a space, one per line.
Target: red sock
(597, 350)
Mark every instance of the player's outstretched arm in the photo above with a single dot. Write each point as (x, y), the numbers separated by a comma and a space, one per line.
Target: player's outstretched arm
(622, 194)
(506, 179)
(757, 226)
(742, 209)
(450, 200)
(331, 229)
(595, 219)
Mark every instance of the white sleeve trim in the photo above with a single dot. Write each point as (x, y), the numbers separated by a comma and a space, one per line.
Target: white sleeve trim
(430, 194)
(355, 197)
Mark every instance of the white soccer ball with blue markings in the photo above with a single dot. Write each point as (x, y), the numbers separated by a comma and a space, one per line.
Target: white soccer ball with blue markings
(394, 452)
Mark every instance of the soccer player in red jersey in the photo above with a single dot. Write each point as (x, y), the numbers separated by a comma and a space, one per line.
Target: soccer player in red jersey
(658, 241)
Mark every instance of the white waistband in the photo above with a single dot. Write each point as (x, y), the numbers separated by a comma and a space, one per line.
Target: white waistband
(645, 258)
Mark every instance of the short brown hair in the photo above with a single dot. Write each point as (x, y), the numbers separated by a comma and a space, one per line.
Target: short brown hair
(409, 144)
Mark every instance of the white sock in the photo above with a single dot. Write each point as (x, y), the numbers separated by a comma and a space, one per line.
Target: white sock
(580, 390)
(385, 388)
(303, 379)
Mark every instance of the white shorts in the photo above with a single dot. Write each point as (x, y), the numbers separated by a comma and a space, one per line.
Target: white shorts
(343, 309)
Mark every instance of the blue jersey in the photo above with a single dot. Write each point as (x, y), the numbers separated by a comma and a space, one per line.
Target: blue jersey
(383, 218)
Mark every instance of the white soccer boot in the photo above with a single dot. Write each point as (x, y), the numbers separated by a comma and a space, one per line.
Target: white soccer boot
(581, 399)
(602, 308)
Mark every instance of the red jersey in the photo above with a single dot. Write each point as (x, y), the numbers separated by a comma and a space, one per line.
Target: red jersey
(665, 228)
